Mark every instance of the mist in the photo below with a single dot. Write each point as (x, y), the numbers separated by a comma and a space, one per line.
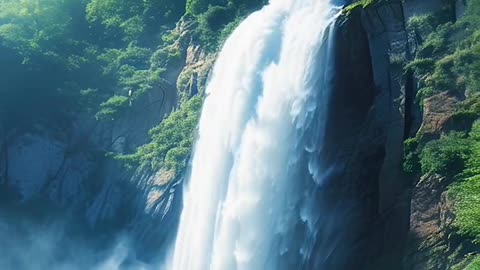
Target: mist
(52, 240)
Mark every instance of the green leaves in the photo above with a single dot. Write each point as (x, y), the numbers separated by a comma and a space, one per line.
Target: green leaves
(446, 156)
(112, 108)
(129, 19)
(474, 264)
(457, 157)
(171, 141)
(35, 27)
(448, 53)
(411, 161)
(466, 195)
(216, 19)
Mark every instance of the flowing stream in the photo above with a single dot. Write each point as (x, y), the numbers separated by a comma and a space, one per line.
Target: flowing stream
(250, 202)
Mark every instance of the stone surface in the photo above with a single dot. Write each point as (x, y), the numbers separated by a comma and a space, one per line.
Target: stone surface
(429, 237)
(371, 111)
(50, 167)
(437, 112)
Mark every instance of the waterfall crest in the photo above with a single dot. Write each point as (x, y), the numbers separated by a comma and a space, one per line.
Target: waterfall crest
(248, 204)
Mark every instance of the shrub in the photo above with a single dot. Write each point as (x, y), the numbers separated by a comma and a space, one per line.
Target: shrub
(215, 18)
(473, 163)
(359, 4)
(446, 156)
(132, 28)
(128, 19)
(171, 141)
(421, 65)
(411, 161)
(228, 30)
(112, 108)
(475, 131)
(165, 58)
(196, 7)
(475, 264)
(114, 59)
(466, 195)
(424, 93)
(422, 24)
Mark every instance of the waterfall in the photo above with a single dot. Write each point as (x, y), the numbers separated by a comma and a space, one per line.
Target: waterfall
(250, 201)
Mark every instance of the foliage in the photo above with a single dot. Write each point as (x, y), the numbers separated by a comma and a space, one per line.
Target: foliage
(130, 18)
(34, 27)
(424, 24)
(196, 7)
(448, 53)
(475, 264)
(98, 57)
(40, 53)
(397, 60)
(165, 58)
(112, 108)
(446, 156)
(421, 65)
(457, 156)
(114, 59)
(466, 195)
(216, 19)
(411, 161)
(359, 4)
(171, 141)
(475, 131)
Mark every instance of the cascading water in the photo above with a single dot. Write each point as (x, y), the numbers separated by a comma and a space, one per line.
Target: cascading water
(250, 201)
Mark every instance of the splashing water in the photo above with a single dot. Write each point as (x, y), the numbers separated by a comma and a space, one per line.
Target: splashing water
(246, 206)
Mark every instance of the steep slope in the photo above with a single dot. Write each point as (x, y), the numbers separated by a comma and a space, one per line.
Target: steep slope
(84, 84)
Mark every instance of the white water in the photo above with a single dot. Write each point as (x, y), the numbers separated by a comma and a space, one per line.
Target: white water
(242, 202)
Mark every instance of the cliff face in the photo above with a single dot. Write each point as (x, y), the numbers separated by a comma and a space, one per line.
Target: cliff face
(371, 114)
(50, 167)
(406, 221)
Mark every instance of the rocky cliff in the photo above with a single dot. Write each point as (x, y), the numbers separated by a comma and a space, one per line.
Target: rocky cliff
(373, 110)
(371, 113)
(407, 221)
(49, 167)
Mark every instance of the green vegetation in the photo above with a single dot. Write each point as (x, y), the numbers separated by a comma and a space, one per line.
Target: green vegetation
(97, 58)
(456, 156)
(448, 59)
(171, 141)
(67, 48)
(111, 108)
(446, 156)
(411, 163)
(359, 4)
(131, 19)
(475, 264)
(70, 63)
(466, 197)
(216, 19)
(466, 193)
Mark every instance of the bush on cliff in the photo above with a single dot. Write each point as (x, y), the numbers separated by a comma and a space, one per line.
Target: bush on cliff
(171, 141)
(475, 264)
(448, 58)
(446, 156)
(466, 196)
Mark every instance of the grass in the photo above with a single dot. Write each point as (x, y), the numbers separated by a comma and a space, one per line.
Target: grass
(359, 4)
